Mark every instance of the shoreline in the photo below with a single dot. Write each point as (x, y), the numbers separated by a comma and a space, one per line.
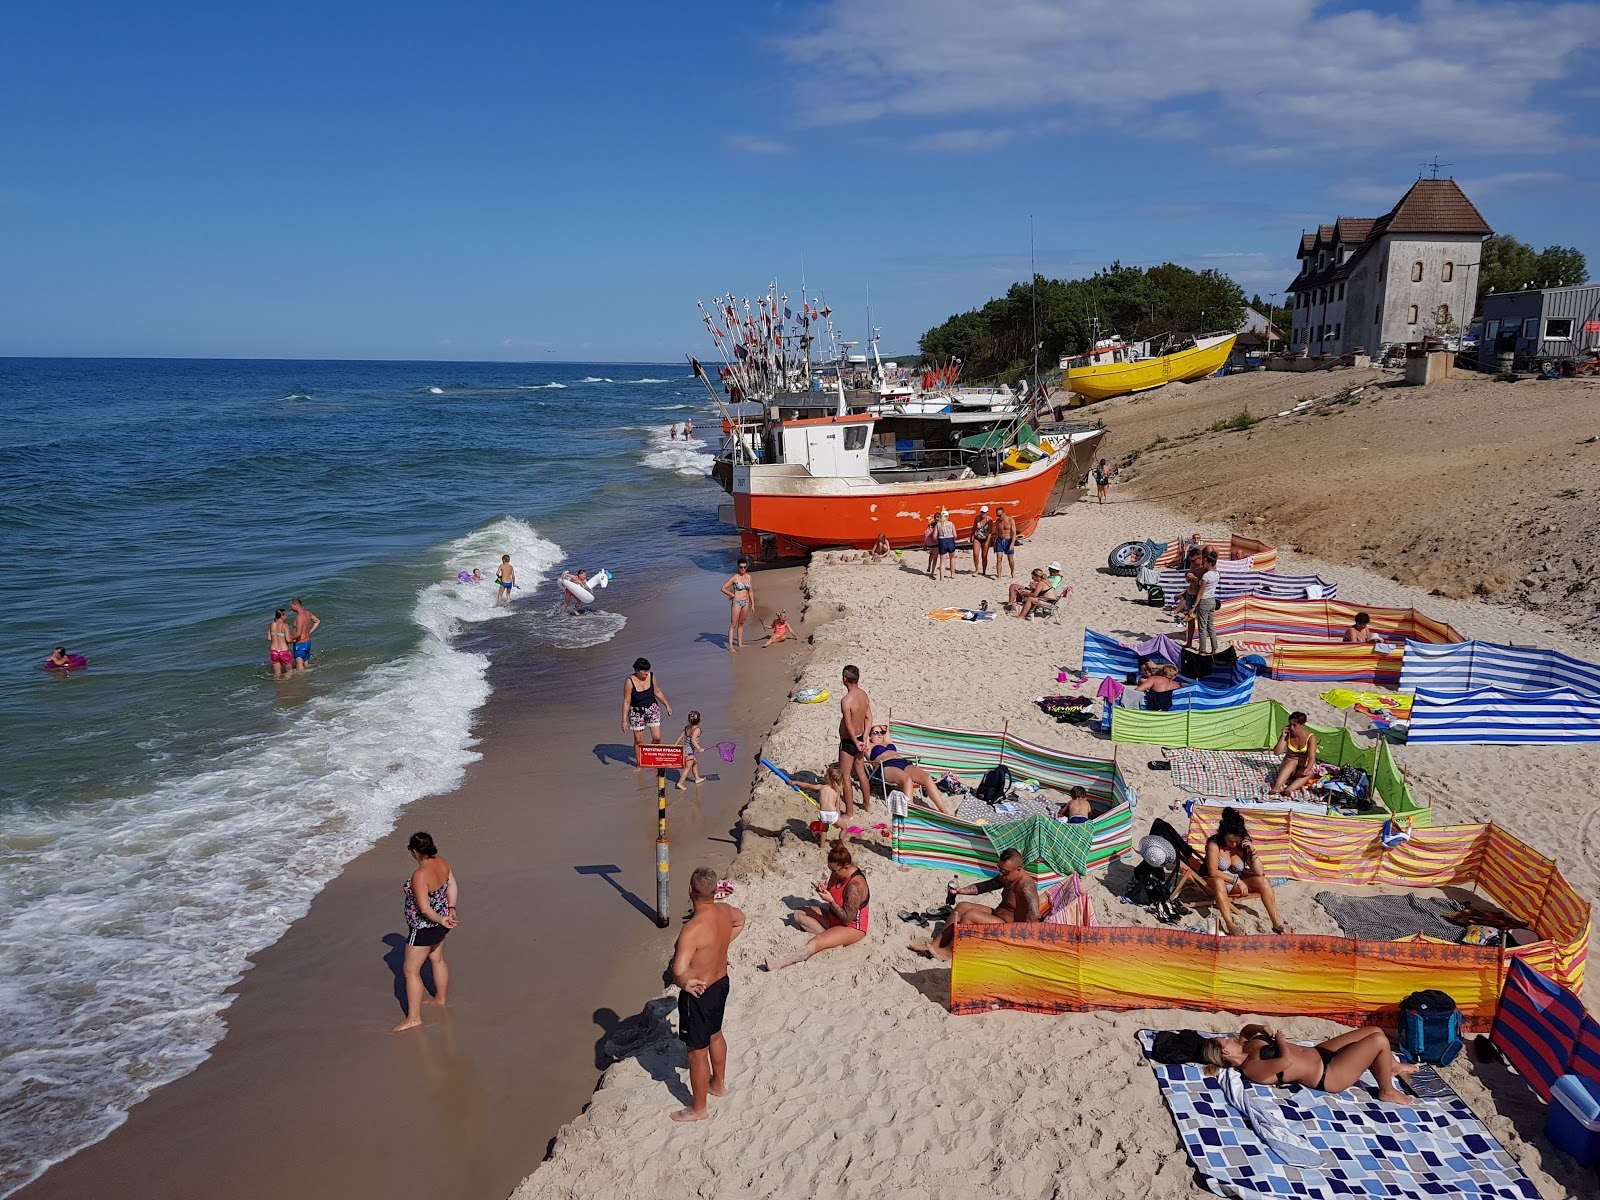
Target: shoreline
(850, 1077)
(517, 1051)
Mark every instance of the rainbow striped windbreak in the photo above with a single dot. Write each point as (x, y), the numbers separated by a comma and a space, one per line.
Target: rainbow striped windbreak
(1307, 636)
(1256, 727)
(1233, 553)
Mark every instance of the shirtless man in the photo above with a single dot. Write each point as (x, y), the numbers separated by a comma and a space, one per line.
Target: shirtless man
(278, 646)
(1157, 683)
(1005, 542)
(506, 576)
(1019, 902)
(700, 969)
(1361, 633)
(855, 716)
(306, 623)
(688, 429)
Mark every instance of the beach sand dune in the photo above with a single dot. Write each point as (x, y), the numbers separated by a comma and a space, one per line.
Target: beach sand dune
(850, 1077)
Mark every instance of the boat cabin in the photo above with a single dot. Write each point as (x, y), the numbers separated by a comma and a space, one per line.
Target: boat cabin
(825, 446)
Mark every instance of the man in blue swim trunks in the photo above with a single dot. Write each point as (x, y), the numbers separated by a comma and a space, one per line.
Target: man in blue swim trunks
(305, 624)
(1005, 541)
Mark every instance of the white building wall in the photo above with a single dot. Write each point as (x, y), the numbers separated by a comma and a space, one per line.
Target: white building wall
(1401, 292)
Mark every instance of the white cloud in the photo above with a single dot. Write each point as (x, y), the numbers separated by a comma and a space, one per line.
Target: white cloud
(755, 143)
(1292, 72)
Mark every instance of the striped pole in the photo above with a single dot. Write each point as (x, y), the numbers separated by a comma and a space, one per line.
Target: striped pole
(662, 889)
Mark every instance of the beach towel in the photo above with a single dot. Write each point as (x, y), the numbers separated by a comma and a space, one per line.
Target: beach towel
(1259, 1107)
(1043, 839)
(1390, 918)
(1227, 774)
(1434, 1148)
(959, 614)
(1070, 904)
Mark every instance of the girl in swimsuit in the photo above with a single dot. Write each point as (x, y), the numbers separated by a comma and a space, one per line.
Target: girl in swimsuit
(740, 589)
(780, 631)
(1263, 1055)
(430, 915)
(842, 919)
(1298, 745)
(1232, 871)
(900, 772)
(690, 741)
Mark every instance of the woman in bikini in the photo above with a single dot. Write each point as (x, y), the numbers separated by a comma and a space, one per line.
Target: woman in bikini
(430, 915)
(740, 590)
(842, 919)
(1264, 1055)
(900, 772)
(1233, 873)
(1298, 745)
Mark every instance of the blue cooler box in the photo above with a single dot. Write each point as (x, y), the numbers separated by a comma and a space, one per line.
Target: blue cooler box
(1573, 1124)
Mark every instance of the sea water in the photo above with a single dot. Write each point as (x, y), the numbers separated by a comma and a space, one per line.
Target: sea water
(156, 513)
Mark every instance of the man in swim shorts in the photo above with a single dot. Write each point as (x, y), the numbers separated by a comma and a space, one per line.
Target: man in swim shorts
(1005, 542)
(1019, 902)
(306, 623)
(506, 577)
(278, 645)
(855, 715)
(700, 969)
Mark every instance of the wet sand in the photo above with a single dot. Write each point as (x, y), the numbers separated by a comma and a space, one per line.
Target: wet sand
(552, 835)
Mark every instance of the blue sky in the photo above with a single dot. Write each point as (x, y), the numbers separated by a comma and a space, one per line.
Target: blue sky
(515, 181)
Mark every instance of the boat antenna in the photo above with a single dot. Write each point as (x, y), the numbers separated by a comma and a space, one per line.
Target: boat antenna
(1033, 394)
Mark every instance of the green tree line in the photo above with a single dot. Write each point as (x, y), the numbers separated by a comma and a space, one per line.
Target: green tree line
(1510, 266)
(1133, 302)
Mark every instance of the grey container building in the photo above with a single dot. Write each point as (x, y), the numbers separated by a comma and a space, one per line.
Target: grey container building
(1541, 325)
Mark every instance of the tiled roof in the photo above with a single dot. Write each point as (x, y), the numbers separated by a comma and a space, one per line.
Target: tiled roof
(1430, 206)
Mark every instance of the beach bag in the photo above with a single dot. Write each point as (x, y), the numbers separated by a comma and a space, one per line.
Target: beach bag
(1155, 597)
(1173, 1046)
(996, 782)
(1151, 885)
(1430, 1028)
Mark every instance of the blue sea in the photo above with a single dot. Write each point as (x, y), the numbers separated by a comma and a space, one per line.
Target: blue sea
(157, 512)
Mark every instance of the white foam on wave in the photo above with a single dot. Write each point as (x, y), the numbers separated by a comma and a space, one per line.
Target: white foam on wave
(437, 391)
(595, 379)
(539, 387)
(683, 457)
(122, 922)
(647, 380)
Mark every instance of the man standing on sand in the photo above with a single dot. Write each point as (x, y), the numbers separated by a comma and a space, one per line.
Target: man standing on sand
(1005, 542)
(306, 623)
(855, 716)
(278, 645)
(700, 969)
(1019, 902)
(506, 577)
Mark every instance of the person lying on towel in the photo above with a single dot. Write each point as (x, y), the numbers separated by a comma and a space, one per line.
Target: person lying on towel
(1157, 681)
(1298, 745)
(1019, 902)
(900, 772)
(1233, 873)
(1263, 1055)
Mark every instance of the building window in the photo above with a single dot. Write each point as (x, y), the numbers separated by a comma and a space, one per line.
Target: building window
(1558, 329)
(1449, 272)
(1416, 271)
(855, 436)
(1491, 330)
(1341, 291)
(1530, 328)
(1337, 330)
(1411, 315)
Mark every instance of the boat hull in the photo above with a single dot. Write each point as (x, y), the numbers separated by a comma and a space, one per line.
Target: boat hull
(784, 514)
(1120, 379)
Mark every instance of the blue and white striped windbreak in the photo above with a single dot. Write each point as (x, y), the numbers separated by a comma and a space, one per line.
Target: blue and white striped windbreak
(1483, 693)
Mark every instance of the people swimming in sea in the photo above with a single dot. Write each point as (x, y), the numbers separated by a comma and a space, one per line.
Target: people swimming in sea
(673, 435)
(278, 652)
(477, 575)
(506, 576)
(690, 741)
(741, 593)
(306, 623)
(60, 660)
(688, 429)
(1298, 745)
(579, 577)
(780, 631)
(1264, 1055)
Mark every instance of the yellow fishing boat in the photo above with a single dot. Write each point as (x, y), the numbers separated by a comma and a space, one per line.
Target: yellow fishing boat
(1112, 370)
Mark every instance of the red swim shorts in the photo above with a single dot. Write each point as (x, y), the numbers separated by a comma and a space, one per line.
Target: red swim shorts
(280, 656)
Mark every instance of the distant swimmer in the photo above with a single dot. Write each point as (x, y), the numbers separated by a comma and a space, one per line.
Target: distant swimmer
(59, 660)
(506, 576)
(306, 623)
(278, 655)
(688, 429)
(674, 434)
(700, 969)
(430, 915)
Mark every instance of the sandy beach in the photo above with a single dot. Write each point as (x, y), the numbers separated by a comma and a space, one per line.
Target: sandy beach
(552, 835)
(849, 1076)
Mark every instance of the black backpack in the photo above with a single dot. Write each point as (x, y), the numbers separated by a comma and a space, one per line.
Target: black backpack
(993, 786)
(1152, 885)
(1177, 1046)
(1430, 1027)
(1155, 597)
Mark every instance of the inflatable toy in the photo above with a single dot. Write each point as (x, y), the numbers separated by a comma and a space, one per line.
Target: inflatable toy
(811, 695)
(599, 579)
(75, 662)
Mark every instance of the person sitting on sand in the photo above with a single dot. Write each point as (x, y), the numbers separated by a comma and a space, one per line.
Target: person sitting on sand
(1024, 594)
(900, 772)
(780, 631)
(579, 577)
(1298, 745)
(1232, 871)
(1076, 811)
(842, 919)
(1264, 1055)
(1157, 681)
(881, 549)
(1019, 903)
(1361, 632)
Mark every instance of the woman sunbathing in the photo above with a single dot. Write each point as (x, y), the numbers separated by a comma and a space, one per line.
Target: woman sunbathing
(1263, 1055)
(900, 772)
(1298, 745)
(1232, 871)
(1026, 594)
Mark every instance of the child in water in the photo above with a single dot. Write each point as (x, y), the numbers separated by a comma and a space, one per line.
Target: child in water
(780, 630)
(690, 741)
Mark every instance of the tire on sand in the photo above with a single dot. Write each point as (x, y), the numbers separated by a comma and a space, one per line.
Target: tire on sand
(1126, 559)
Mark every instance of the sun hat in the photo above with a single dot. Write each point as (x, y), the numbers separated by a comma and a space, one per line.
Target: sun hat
(1156, 851)
(1055, 566)
(983, 508)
